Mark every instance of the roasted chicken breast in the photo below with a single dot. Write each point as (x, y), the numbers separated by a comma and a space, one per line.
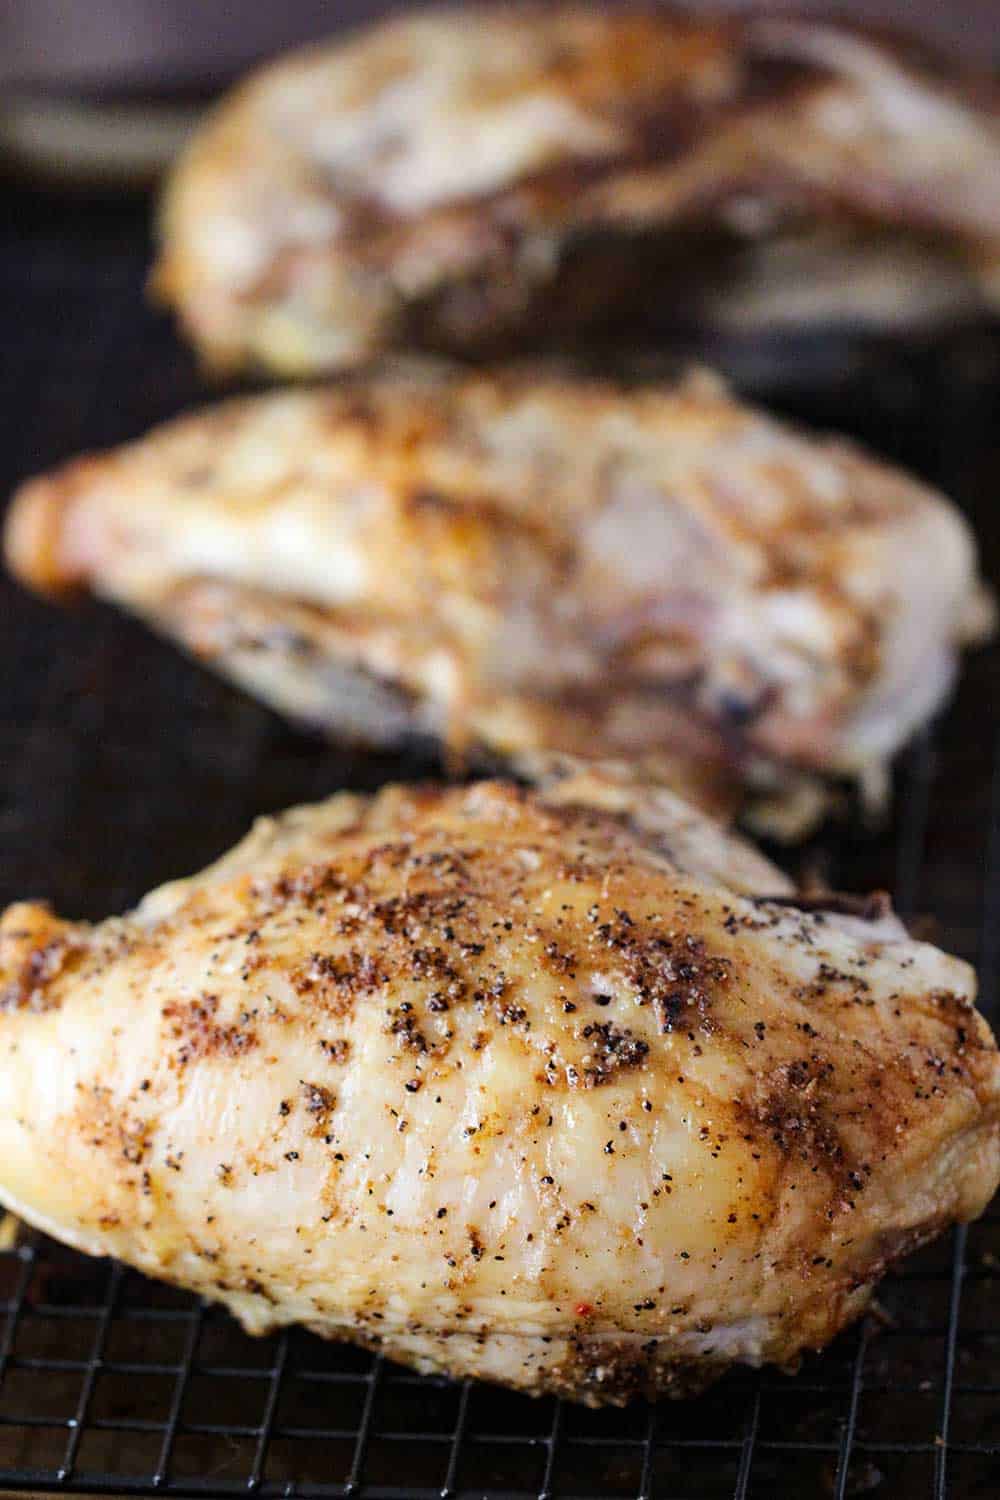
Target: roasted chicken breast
(535, 563)
(502, 1083)
(469, 178)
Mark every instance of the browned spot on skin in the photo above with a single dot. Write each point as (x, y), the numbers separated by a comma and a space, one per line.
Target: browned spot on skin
(424, 963)
(30, 989)
(319, 1103)
(672, 973)
(336, 983)
(792, 1112)
(193, 1025)
(792, 1109)
(135, 1140)
(611, 1050)
(559, 960)
(949, 1000)
(403, 1024)
(101, 1123)
(827, 977)
(307, 886)
(337, 1049)
(496, 997)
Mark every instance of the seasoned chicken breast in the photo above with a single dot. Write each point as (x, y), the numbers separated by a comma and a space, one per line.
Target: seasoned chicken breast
(502, 1083)
(464, 179)
(533, 564)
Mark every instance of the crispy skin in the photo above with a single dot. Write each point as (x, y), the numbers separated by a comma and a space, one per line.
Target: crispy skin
(503, 1083)
(468, 180)
(533, 563)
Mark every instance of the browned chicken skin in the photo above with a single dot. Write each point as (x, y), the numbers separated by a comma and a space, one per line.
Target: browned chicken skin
(469, 178)
(528, 563)
(558, 1088)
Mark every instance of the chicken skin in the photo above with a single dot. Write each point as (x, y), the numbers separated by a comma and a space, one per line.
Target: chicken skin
(556, 1087)
(531, 562)
(472, 180)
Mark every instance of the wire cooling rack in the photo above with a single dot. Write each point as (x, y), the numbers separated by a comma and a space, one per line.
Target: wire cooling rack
(121, 765)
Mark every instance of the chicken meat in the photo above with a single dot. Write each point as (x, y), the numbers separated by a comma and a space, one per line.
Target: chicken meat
(531, 562)
(558, 1087)
(467, 180)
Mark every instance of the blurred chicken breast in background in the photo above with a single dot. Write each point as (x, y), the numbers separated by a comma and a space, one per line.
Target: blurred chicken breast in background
(524, 562)
(470, 179)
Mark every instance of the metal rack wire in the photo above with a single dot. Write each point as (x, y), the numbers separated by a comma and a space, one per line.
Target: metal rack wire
(111, 1384)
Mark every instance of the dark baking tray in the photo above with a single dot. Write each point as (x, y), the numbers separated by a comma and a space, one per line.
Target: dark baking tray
(122, 764)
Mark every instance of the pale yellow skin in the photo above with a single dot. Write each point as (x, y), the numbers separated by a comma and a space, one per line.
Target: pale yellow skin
(531, 561)
(500, 1084)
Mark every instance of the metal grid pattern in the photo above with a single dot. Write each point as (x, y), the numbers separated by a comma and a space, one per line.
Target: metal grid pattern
(108, 741)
